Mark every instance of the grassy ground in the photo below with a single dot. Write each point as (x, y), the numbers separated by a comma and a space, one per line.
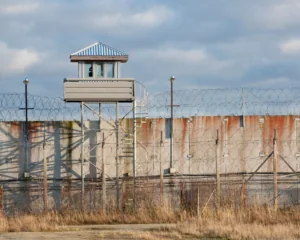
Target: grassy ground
(250, 223)
(226, 223)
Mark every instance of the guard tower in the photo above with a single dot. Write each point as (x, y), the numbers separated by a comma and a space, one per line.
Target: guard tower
(99, 81)
(99, 77)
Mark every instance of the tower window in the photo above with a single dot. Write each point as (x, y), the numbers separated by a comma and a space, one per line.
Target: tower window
(110, 70)
(99, 70)
(91, 71)
(88, 70)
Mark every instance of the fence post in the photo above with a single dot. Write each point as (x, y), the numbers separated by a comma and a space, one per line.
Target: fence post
(62, 194)
(243, 194)
(1, 200)
(190, 186)
(218, 187)
(198, 203)
(134, 153)
(82, 156)
(153, 146)
(103, 177)
(117, 157)
(161, 171)
(275, 160)
(45, 174)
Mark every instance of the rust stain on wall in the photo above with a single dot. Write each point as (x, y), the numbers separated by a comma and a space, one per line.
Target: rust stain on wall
(233, 125)
(244, 144)
(291, 122)
(269, 136)
(15, 130)
(34, 130)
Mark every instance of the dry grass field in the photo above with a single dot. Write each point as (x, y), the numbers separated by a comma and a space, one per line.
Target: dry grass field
(226, 223)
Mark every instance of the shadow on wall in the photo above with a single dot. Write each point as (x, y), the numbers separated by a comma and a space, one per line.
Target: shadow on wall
(61, 151)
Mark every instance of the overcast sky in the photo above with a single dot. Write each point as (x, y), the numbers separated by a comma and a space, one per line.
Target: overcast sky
(204, 43)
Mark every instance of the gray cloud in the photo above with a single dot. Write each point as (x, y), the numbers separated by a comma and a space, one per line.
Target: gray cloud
(214, 43)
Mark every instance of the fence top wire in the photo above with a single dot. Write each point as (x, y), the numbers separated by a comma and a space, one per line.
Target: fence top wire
(191, 102)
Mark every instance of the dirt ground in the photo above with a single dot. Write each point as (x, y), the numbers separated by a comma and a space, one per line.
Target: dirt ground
(105, 232)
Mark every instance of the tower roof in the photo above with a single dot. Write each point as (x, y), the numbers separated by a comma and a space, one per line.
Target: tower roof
(98, 52)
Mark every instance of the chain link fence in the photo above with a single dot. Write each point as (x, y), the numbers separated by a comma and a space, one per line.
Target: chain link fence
(230, 146)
